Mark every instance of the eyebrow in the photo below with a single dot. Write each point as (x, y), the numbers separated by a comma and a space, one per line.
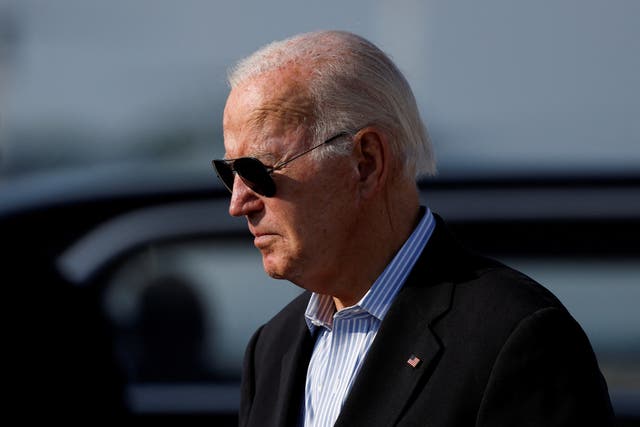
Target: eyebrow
(260, 152)
(265, 155)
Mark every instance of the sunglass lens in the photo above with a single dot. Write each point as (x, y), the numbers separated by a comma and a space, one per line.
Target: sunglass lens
(225, 173)
(255, 175)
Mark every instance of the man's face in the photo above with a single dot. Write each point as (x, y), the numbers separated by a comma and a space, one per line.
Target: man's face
(303, 232)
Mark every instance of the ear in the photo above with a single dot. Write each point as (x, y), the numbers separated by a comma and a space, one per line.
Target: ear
(373, 156)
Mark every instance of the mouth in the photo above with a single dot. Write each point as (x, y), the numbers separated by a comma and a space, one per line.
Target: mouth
(261, 240)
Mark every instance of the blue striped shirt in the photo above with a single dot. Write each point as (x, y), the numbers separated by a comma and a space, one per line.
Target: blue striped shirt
(345, 336)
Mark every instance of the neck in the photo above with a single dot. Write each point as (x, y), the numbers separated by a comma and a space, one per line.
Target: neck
(370, 252)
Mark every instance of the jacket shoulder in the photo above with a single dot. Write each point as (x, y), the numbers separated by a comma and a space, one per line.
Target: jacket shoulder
(293, 312)
(285, 326)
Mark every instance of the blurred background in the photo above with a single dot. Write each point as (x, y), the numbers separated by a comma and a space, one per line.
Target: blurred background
(505, 87)
(110, 112)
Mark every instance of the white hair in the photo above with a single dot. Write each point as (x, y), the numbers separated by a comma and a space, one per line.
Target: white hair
(353, 84)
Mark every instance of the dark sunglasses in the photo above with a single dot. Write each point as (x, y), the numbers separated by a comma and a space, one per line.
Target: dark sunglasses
(255, 174)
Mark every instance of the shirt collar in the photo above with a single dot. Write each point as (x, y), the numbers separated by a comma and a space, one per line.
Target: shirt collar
(377, 301)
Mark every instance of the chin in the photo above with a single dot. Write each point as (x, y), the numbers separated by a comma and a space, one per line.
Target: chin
(273, 269)
(279, 268)
(275, 275)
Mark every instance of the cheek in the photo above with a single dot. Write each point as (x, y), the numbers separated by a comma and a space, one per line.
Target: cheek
(320, 208)
(338, 201)
(329, 222)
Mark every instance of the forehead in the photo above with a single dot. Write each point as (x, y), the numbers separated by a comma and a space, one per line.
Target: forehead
(272, 105)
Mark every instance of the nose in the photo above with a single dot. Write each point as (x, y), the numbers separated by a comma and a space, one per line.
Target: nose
(244, 201)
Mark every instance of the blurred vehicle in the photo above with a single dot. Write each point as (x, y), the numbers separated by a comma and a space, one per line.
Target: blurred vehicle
(136, 292)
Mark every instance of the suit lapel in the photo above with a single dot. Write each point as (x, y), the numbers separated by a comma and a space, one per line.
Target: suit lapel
(386, 380)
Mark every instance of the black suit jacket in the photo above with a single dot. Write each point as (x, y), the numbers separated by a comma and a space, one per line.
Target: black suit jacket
(496, 349)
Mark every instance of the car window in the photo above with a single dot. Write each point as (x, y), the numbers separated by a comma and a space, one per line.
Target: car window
(184, 311)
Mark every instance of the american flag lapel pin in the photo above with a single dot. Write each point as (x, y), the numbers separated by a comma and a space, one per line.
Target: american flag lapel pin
(413, 361)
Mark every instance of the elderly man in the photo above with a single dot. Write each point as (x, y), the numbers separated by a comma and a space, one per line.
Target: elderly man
(399, 324)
